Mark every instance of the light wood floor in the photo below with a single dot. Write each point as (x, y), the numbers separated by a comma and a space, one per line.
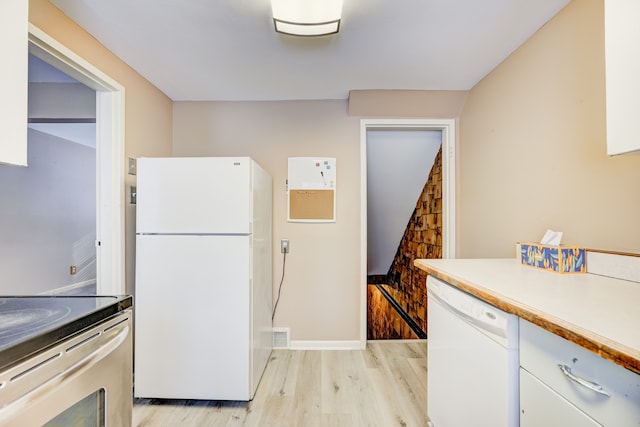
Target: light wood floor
(384, 385)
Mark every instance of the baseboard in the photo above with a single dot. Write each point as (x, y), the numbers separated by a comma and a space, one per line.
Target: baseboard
(69, 288)
(326, 345)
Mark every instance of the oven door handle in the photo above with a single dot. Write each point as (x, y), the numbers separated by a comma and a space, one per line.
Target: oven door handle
(22, 404)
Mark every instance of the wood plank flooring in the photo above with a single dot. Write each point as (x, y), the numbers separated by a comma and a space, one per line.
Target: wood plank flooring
(384, 385)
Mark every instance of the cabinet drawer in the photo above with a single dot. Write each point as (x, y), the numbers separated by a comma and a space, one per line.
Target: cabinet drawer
(541, 406)
(542, 353)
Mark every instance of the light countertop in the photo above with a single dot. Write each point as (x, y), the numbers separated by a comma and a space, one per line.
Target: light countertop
(598, 313)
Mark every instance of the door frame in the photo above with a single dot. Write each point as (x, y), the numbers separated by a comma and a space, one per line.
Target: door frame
(110, 184)
(448, 129)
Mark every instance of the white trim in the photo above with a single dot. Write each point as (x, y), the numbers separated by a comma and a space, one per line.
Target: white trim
(109, 153)
(110, 182)
(326, 345)
(448, 128)
(618, 266)
(68, 288)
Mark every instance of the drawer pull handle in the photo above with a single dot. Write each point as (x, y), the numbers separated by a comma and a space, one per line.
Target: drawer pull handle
(588, 384)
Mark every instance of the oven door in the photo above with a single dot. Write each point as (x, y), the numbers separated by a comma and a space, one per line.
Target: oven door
(83, 381)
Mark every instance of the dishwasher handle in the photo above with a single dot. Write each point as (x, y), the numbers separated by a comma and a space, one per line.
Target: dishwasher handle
(585, 383)
(487, 326)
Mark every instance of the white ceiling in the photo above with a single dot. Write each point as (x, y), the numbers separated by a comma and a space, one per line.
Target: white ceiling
(228, 49)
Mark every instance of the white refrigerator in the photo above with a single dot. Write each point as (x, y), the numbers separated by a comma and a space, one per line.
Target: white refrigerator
(203, 290)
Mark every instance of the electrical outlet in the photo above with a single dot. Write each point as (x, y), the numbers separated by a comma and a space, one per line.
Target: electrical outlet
(73, 269)
(284, 246)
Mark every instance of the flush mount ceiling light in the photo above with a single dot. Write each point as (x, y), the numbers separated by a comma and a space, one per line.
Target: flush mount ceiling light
(307, 18)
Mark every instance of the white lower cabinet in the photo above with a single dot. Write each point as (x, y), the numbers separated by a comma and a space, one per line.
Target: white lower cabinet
(541, 406)
(563, 384)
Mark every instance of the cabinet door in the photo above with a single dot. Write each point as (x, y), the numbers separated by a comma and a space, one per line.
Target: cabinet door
(14, 34)
(622, 34)
(541, 406)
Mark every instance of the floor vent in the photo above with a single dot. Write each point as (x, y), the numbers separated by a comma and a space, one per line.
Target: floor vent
(280, 337)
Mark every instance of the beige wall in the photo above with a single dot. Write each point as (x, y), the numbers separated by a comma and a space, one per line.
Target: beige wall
(321, 291)
(531, 156)
(148, 112)
(435, 104)
(532, 149)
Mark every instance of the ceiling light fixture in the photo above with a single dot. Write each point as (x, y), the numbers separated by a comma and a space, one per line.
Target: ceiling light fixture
(306, 18)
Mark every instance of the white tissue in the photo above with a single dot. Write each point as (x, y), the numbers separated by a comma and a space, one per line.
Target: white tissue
(552, 238)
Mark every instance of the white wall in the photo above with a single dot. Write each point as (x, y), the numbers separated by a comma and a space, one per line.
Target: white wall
(47, 216)
(398, 166)
(61, 100)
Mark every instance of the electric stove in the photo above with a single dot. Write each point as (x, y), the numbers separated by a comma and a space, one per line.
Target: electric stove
(30, 324)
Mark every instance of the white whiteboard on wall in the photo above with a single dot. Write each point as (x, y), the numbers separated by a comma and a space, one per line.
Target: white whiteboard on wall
(311, 191)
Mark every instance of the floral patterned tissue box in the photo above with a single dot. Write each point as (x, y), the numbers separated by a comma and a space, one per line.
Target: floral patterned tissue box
(560, 259)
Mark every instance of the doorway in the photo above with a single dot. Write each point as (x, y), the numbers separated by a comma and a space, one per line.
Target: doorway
(51, 222)
(109, 188)
(404, 190)
(446, 130)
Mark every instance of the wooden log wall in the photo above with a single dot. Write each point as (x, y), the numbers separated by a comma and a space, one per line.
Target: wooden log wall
(385, 323)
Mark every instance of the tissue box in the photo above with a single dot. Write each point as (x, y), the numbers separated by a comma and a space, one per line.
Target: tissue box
(560, 259)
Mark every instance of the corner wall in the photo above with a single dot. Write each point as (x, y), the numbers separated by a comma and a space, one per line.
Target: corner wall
(532, 153)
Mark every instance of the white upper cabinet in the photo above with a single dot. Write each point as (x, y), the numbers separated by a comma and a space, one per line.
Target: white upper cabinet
(622, 55)
(14, 35)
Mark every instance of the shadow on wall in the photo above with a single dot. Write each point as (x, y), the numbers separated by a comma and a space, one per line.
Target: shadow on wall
(397, 301)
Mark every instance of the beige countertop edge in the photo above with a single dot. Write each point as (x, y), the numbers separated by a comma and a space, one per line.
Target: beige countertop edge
(602, 346)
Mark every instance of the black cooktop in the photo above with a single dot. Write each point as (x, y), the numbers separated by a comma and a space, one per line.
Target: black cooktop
(29, 324)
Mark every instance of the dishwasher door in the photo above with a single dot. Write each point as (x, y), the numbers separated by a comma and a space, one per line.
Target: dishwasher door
(472, 361)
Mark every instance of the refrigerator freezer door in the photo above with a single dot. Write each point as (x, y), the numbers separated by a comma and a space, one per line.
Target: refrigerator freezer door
(194, 195)
(193, 317)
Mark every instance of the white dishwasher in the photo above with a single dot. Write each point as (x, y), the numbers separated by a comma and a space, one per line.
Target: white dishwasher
(473, 363)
